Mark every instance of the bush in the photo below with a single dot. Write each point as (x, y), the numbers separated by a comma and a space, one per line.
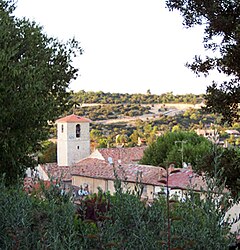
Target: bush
(48, 219)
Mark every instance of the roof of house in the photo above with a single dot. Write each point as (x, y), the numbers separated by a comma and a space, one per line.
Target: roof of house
(72, 119)
(96, 168)
(95, 160)
(30, 184)
(57, 172)
(186, 178)
(125, 155)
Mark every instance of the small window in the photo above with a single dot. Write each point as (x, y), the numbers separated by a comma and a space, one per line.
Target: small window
(62, 128)
(78, 130)
(77, 147)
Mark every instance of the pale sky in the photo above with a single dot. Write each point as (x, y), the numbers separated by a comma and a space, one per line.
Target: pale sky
(130, 46)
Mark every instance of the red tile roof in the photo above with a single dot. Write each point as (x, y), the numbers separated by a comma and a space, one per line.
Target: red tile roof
(129, 169)
(186, 178)
(31, 184)
(57, 172)
(72, 118)
(95, 168)
(125, 155)
(90, 161)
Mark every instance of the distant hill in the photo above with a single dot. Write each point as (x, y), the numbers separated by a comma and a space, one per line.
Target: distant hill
(100, 97)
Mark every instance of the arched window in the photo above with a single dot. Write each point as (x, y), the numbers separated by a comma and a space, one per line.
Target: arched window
(78, 130)
(62, 128)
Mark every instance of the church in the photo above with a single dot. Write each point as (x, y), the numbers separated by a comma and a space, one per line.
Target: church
(77, 167)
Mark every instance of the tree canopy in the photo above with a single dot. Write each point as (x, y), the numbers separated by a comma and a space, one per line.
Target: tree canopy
(222, 36)
(35, 74)
(227, 161)
(176, 147)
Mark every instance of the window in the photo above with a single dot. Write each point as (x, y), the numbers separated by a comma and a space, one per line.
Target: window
(78, 130)
(77, 147)
(62, 128)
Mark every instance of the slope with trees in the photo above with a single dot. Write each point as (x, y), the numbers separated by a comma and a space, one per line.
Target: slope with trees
(120, 98)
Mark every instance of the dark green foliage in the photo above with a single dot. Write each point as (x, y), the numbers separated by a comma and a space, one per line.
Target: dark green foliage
(134, 224)
(34, 222)
(47, 219)
(48, 153)
(35, 74)
(176, 147)
(222, 36)
(197, 219)
(224, 100)
(228, 162)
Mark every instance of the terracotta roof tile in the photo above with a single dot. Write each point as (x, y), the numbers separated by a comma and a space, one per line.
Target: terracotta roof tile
(126, 155)
(128, 169)
(186, 178)
(57, 172)
(96, 168)
(72, 118)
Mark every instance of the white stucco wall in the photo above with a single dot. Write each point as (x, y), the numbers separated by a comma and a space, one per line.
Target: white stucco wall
(234, 213)
(71, 149)
(41, 173)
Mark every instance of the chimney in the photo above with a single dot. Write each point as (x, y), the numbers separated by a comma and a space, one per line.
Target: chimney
(161, 175)
(170, 168)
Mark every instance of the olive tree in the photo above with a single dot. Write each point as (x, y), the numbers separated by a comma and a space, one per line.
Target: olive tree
(35, 74)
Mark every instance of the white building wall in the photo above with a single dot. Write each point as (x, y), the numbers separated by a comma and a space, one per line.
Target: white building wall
(62, 153)
(71, 149)
(96, 154)
(41, 173)
(234, 216)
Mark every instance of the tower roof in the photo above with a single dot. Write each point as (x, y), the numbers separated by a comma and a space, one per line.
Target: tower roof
(72, 119)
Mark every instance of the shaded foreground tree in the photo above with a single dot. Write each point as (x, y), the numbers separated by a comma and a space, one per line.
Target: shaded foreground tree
(222, 36)
(178, 146)
(227, 161)
(35, 74)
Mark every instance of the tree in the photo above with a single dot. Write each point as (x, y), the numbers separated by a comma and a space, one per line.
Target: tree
(176, 128)
(134, 137)
(222, 36)
(49, 152)
(103, 143)
(226, 160)
(35, 75)
(178, 147)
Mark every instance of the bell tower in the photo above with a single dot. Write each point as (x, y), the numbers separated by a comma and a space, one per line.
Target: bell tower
(73, 139)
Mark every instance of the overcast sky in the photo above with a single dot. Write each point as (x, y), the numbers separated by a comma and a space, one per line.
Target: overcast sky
(130, 46)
